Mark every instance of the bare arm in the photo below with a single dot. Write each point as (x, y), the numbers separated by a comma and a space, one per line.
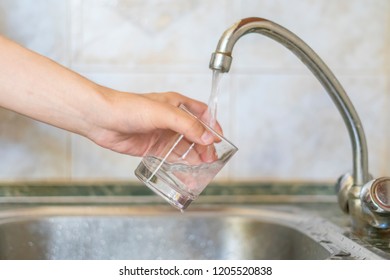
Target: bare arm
(39, 88)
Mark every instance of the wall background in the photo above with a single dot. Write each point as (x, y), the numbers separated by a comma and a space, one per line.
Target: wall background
(271, 107)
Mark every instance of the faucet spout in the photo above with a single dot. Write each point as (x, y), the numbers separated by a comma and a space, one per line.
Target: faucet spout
(366, 200)
(222, 58)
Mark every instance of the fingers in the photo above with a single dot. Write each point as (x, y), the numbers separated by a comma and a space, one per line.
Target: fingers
(173, 118)
(205, 117)
(191, 128)
(175, 99)
(198, 109)
(190, 149)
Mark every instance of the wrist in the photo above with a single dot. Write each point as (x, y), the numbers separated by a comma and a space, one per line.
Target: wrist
(97, 113)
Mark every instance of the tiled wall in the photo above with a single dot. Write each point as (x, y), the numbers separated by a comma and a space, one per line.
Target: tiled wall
(271, 107)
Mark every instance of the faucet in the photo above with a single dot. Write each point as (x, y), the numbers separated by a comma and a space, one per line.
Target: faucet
(366, 200)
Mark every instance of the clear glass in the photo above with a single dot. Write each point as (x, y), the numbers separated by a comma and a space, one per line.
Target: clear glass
(178, 169)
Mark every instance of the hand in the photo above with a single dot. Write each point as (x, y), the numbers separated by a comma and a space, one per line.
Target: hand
(133, 122)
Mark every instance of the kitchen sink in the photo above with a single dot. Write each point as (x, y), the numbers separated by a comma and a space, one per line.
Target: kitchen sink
(159, 232)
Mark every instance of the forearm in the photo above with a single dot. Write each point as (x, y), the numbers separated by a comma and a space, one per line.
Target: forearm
(38, 87)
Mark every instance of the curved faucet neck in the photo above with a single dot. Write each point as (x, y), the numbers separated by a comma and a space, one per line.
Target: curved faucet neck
(221, 60)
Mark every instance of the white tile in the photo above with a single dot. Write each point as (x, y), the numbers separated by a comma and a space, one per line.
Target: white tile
(370, 97)
(89, 161)
(142, 35)
(271, 107)
(39, 25)
(348, 35)
(288, 128)
(31, 150)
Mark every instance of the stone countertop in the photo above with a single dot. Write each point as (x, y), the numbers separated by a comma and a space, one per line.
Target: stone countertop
(322, 191)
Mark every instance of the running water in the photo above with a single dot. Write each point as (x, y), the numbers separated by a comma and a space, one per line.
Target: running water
(213, 100)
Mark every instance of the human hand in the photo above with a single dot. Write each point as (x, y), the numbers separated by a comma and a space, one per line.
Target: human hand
(133, 122)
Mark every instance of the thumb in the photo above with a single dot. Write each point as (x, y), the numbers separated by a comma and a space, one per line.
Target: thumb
(193, 129)
(185, 123)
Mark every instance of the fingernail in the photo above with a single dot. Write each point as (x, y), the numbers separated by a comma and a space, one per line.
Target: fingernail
(207, 137)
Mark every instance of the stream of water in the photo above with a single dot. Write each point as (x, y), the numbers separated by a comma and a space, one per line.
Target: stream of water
(213, 100)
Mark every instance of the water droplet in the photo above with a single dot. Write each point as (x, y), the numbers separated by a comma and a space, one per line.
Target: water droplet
(342, 254)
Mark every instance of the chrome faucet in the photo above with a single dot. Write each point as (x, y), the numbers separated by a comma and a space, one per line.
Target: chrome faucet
(366, 200)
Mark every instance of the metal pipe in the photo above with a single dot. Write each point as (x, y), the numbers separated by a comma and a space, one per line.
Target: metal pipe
(222, 58)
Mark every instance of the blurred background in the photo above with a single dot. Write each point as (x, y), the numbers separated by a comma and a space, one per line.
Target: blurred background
(271, 106)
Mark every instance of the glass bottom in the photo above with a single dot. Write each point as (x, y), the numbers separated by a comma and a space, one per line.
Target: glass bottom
(162, 185)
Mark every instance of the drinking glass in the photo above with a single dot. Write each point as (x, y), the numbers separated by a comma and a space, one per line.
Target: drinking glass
(178, 169)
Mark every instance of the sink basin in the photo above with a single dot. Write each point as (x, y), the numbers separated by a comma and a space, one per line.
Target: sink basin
(159, 232)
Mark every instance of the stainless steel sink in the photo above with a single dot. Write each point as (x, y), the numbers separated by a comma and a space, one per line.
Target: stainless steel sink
(158, 232)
